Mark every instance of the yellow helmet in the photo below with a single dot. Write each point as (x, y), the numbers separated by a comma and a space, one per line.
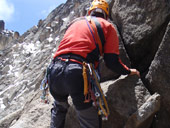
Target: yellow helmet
(102, 4)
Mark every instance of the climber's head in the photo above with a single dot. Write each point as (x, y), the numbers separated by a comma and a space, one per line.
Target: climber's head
(99, 8)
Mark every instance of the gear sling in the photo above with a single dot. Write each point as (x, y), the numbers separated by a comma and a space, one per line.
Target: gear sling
(92, 89)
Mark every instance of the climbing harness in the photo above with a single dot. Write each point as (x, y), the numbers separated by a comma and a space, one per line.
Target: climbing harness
(93, 91)
(44, 88)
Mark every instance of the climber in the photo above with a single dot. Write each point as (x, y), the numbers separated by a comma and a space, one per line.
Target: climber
(80, 44)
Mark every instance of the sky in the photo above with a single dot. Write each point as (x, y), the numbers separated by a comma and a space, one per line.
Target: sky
(21, 15)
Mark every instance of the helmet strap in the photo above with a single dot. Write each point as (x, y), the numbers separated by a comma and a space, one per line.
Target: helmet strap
(98, 10)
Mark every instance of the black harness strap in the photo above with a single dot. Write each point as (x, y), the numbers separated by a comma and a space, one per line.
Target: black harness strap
(98, 26)
(100, 31)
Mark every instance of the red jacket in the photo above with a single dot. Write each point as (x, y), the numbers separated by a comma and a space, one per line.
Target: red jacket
(79, 40)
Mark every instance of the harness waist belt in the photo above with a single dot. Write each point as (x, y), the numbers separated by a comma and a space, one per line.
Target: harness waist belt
(71, 57)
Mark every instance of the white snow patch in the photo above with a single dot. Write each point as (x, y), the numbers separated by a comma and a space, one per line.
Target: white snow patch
(30, 48)
(65, 19)
(57, 38)
(54, 50)
(2, 106)
(56, 22)
(10, 69)
(15, 55)
(16, 74)
(49, 29)
(38, 42)
(50, 39)
(72, 12)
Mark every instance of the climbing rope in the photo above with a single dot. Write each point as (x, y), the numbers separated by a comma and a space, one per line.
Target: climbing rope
(93, 91)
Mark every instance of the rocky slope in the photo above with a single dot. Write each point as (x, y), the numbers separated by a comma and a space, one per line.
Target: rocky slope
(133, 102)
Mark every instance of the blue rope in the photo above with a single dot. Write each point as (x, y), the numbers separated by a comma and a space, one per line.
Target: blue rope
(91, 30)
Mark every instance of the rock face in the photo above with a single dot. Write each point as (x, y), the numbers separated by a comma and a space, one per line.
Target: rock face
(158, 80)
(130, 104)
(2, 25)
(5, 39)
(142, 26)
(143, 117)
(134, 102)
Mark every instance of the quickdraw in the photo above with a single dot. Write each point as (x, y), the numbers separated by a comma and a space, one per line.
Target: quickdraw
(93, 91)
